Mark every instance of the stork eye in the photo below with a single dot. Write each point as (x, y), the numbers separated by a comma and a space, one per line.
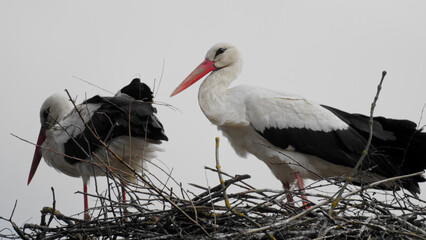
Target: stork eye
(46, 114)
(219, 51)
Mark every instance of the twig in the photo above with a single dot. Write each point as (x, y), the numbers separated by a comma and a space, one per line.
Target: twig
(53, 206)
(20, 233)
(92, 84)
(365, 151)
(222, 183)
(161, 77)
(13, 210)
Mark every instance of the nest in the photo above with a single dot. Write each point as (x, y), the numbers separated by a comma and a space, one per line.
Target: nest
(235, 210)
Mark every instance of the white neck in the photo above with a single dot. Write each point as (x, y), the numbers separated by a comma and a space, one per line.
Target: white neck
(212, 93)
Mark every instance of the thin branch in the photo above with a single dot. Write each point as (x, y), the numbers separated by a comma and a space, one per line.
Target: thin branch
(53, 206)
(103, 89)
(367, 147)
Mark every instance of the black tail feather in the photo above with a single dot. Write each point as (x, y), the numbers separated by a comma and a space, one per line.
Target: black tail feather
(398, 142)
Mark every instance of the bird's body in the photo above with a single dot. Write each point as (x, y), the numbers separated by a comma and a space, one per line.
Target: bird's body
(71, 148)
(294, 135)
(85, 141)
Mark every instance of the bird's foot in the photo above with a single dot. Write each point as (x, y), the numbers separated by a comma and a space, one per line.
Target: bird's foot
(87, 216)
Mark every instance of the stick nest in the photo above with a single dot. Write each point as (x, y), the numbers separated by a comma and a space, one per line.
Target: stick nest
(154, 213)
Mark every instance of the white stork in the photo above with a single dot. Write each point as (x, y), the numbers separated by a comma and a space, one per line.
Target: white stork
(298, 138)
(71, 140)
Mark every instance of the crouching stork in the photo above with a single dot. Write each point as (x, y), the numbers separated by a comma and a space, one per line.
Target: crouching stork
(102, 134)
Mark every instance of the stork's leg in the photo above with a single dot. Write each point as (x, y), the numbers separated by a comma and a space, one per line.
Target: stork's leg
(123, 194)
(286, 186)
(86, 204)
(302, 189)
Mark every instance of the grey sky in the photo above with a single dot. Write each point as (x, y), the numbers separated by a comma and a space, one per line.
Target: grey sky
(331, 52)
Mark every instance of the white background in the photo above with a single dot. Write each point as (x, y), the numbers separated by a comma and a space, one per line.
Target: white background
(332, 52)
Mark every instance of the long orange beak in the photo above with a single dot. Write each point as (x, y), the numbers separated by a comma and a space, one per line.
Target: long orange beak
(199, 72)
(37, 153)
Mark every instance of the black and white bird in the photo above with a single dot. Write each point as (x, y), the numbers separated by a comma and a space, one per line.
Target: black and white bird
(298, 138)
(75, 141)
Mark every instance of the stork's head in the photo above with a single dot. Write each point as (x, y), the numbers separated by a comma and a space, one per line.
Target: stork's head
(223, 55)
(220, 56)
(53, 110)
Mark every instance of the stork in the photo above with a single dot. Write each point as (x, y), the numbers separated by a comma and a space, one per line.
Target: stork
(298, 138)
(82, 141)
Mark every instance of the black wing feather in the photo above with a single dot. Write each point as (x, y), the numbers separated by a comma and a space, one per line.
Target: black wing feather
(341, 147)
(117, 116)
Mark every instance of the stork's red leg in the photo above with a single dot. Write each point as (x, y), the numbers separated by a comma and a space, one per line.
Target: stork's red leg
(86, 204)
(302, 189)
(123, 194)
(286, 186)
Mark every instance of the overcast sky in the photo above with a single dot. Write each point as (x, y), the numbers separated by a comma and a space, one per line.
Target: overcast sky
(331, 52)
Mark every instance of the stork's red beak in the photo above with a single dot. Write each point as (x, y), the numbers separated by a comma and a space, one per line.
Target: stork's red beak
(37, 153)
(199, 72)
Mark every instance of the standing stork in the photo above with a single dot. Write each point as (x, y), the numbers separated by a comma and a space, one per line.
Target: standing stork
(298, 138)
(82, 141)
